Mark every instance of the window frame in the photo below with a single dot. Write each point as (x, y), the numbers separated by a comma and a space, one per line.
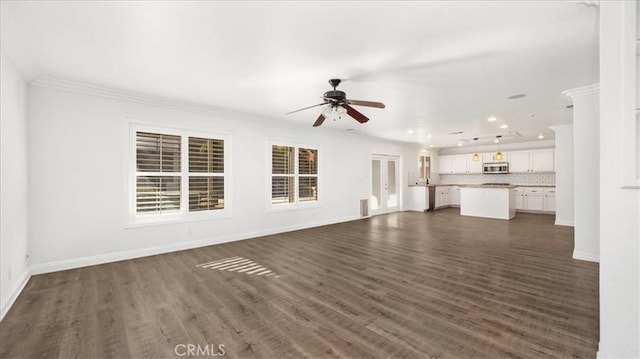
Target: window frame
(297, 204)
(183, 215)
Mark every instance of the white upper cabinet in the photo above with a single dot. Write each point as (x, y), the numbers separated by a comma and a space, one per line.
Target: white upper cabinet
(519, 161)
(532, 161)
(542, 161)
(445, 164)
(474, 166)
(459, 164)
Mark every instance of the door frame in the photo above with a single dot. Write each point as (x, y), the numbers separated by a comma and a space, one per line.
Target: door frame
(384, 208)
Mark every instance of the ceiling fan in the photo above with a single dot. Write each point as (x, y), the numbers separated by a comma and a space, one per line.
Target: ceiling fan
(337, 101)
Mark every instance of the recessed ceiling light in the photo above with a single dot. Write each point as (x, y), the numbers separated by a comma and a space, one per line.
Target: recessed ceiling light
(410, 131)
(520, 95)
(496, 140)
(459, 144)
(429, 136)
(430, 145)
(540, 137)
(491, 119)
(504, 126)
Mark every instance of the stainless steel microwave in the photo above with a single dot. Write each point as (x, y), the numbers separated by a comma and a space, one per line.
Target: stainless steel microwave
(495, 167)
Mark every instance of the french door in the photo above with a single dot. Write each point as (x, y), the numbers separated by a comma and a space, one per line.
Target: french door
(385, 189)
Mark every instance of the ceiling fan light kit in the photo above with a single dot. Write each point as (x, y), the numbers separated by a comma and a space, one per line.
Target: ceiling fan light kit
(338, 105)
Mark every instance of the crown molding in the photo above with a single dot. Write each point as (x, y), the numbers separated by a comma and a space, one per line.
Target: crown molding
(583, 91)
(95, 90)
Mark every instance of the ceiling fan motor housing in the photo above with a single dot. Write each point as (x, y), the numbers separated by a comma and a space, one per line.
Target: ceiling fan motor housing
(336, 95)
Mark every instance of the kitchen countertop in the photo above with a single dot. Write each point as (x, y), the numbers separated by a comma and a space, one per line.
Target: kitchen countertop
(478, 184)
(488, 186)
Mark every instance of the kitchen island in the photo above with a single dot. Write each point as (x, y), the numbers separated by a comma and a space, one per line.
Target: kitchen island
(489, 201)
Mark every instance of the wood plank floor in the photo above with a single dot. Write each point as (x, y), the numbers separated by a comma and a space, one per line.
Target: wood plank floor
(405, 285)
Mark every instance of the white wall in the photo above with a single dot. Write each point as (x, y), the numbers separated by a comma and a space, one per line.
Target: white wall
(564, 175)
(619, 208)
(77, 182)
(586, 172)
(13, 184)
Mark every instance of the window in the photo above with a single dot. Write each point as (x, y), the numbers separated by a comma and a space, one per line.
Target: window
(294, 175)
(178, 175)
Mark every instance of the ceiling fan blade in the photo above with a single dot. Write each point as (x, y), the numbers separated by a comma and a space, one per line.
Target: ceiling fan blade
(306, 108)
(366, 103)
(319, 121)
(355, 114)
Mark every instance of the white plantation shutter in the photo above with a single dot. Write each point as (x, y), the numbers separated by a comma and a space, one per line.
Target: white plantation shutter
(282, 174)
(294, 175)
(206, 174)
(158, 171)
(179, 174)
(307, 174)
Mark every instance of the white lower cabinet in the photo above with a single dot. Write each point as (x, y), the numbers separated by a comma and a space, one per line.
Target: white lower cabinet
(535, 199)
(454, 195)
(442, 196)
(519, 194)
(549, 199)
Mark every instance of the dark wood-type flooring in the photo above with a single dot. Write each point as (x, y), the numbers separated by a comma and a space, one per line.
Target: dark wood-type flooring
(404, 285)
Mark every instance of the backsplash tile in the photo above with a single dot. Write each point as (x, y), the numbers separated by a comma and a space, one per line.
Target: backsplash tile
(547, 178)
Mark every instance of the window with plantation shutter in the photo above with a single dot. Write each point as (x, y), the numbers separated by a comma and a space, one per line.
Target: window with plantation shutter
(206, 174)
(158, 173)
(294, 175)
(178, 174)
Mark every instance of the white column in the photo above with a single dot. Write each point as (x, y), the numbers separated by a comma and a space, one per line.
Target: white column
(586, 171)
(619, 207)
(564, 175)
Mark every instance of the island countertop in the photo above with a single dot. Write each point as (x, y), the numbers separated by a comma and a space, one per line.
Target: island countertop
(487, 186)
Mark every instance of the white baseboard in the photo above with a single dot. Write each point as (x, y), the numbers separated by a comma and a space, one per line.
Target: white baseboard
(564, 222)
(73, 263)
(584, 256)
(17, 289)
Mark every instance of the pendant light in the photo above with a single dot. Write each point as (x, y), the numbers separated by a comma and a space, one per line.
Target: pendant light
(476, 156)
(498, 156)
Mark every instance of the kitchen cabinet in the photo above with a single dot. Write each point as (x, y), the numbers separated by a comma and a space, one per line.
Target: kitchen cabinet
(535, 199)
(531, 161)
(417, 200)
(445, 164)
(519, 198)
(454, 195)
(442, 196)
(459, 164)
(549, 199)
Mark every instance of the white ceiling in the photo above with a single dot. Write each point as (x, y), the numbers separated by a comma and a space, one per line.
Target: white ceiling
(440, 67)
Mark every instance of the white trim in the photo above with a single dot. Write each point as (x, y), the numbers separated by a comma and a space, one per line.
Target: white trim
(18, 287)
(564, 222)
(123, 95)
(184, 215)
(584, 256)
(297, 205)
(73, 263)
(583, 91)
